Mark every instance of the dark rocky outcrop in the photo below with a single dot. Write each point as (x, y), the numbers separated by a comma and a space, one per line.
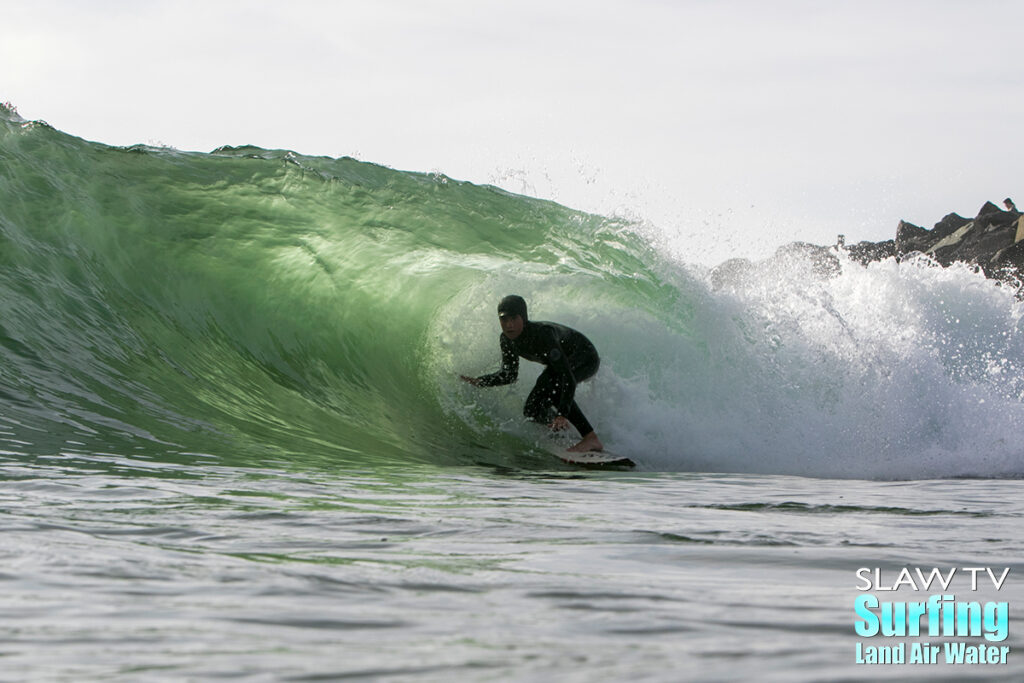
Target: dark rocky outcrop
(865, 252)
(993, 241)
(988, 240)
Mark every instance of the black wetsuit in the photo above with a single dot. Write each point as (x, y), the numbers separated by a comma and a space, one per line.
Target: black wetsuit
(570, 359)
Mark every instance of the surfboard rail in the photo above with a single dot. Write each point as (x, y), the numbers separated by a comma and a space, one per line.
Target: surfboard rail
(595, 459)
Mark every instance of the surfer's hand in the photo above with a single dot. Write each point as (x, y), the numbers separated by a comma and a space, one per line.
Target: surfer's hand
(559, 424)
(470, 380)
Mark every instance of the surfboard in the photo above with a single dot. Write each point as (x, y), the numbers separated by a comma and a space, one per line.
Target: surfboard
(595, 459)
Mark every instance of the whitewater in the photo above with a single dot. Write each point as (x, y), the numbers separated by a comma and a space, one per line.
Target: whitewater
(233, 442)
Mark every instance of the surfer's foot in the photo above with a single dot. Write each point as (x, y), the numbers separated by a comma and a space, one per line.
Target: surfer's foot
(589, 443)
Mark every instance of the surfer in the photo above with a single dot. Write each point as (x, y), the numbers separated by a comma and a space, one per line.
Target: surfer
(570, 359)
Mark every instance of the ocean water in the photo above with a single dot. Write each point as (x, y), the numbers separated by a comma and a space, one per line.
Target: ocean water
(233, 444)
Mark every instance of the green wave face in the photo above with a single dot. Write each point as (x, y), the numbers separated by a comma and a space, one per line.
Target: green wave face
(251, 302)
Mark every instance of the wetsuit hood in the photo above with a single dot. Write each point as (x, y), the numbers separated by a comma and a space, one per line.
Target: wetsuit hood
(513, 304)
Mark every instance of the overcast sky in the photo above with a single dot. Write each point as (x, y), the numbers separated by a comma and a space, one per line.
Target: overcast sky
(732, 126)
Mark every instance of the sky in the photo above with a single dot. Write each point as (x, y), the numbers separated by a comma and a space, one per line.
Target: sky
(729, 127)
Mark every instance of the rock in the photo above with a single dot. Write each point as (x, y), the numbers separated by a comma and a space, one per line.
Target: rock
(802, 257)
(993, 240)
(949, 224)
(944, 251)
(989, 208)
(823, 262)
(911, 238)
(1009, 259)
(991, 232)
(866, 252)
(992, 216)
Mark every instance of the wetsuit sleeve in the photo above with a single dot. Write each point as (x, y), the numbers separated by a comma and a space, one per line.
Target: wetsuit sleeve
(509, 367)
(559, 362)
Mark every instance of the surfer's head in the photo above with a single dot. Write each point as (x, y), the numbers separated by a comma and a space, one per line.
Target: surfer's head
(512, 315)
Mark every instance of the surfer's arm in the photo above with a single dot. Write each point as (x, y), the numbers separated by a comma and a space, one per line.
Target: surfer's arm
(509, 371)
